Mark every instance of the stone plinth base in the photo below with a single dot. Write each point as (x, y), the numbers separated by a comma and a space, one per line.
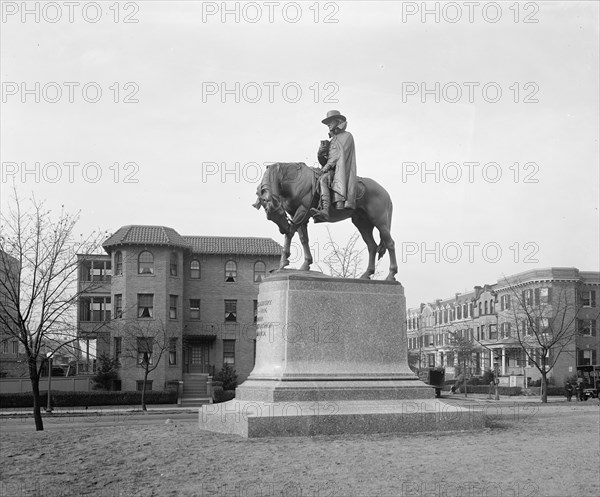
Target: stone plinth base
(278, 419)
(321, 338)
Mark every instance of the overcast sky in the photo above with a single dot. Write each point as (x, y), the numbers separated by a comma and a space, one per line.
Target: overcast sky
(205, 98)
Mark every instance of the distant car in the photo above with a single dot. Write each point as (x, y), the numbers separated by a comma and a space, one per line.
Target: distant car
(591, 380)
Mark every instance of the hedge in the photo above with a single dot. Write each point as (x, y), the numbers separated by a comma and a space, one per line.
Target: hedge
(486, 389)
(511, 391)
(85, 399)
(223, 396)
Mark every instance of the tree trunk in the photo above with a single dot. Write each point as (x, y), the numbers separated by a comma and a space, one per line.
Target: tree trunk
(544, 387)
(144, 390)
(35, 387)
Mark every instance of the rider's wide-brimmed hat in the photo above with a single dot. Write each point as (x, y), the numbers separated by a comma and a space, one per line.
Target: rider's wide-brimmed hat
(333, 114)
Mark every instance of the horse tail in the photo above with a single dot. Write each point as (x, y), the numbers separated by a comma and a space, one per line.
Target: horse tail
(381, 248)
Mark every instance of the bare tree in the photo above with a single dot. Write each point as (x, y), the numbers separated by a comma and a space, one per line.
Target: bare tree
(464, 347)
(145, 342)
(38, 256)
(345, 261)
(544, 323)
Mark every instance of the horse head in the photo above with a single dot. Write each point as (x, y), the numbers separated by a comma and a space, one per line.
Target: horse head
(273, 207)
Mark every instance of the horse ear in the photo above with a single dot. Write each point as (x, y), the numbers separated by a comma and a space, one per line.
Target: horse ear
(257, 205)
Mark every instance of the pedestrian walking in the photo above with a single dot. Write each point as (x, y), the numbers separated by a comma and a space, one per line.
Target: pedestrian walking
(569, 391)
(579, 389)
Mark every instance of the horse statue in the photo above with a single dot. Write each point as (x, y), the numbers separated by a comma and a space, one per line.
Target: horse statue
(288, 191)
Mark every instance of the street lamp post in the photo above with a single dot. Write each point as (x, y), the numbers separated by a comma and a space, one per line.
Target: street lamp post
(496, 381)
(49, 402)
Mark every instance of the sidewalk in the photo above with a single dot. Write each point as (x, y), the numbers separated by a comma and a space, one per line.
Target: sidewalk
(480, 398)
(57, 412)
(457, 398)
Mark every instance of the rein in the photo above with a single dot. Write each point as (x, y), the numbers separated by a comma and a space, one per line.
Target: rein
(272, 187)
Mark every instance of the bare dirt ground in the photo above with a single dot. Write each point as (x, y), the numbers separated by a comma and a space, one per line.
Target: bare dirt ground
(552, 453)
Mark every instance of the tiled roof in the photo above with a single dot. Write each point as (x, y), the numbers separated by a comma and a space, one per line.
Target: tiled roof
(146, 235)
(162, 235)
(233, 245)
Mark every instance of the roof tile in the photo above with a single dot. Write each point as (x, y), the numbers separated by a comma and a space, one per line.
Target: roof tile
(162, 235)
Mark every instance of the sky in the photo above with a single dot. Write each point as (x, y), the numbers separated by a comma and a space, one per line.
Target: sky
(482, 122)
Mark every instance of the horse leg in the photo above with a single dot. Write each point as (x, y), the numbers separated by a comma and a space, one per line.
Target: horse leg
(285, 252)
(387, 240)
(308, 260)
(366, 231)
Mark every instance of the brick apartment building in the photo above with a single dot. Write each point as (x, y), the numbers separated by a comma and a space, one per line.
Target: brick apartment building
(12, 357)
(192, 297)
(492, 315)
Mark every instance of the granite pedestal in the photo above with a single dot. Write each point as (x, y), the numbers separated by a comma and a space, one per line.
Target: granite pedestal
(331, 358)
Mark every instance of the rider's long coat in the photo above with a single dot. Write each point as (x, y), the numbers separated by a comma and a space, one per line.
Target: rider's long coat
(343, 156)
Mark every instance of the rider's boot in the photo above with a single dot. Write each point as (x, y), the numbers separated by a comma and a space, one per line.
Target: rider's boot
(323, 214)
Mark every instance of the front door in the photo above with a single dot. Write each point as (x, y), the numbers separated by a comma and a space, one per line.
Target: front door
(199, 358)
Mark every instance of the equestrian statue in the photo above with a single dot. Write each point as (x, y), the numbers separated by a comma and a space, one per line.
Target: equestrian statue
(291, 193)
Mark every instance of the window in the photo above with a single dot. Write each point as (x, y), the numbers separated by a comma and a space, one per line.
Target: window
(480, 309)
(144, 350)
(528, 297)
(173, 264)
(5, 347)
(140, 385)
(94, 270)
(94, 309)
(588, 298)
(145, 263)
(493, 332)
(586, 357)
(542, 295)
(526, 327)
(260, 271)
(504, 302)
(117, 342)
(541, 325)
(230, 272)
(172, 306)
(255, 311)
(492, 305)
(195, 269)
(231, 311)
(118, 263)
(15, 347)
(465, 311)
(485, 307)
(431, 360)
(587, 327)
(117, 348)
(194, 308)
(145, 305)
(118, 305)
(229, 352)
(172, 351)
(505, 329)
(459, 312)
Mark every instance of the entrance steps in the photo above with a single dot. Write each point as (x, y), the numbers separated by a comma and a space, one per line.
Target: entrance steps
(195, 390)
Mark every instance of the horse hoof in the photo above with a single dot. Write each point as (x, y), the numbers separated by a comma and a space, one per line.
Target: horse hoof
(305, 267)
